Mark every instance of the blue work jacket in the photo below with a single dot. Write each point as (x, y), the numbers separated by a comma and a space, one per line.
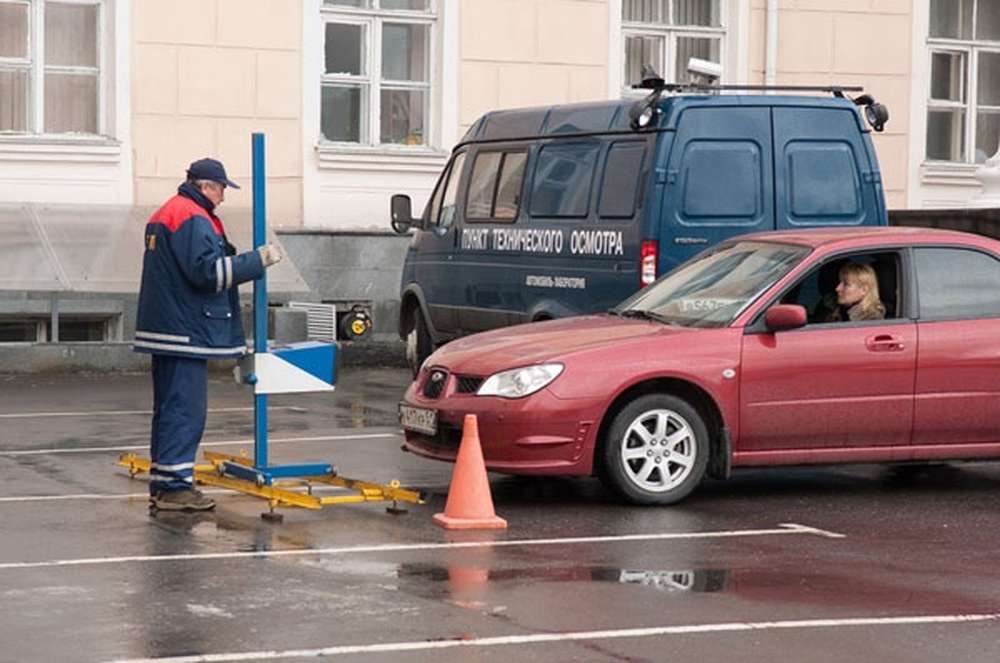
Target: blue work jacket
(188, 301)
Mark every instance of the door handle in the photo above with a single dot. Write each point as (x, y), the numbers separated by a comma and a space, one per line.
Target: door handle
(884, 343)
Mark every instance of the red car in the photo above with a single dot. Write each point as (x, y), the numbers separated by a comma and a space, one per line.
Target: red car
(758, 351)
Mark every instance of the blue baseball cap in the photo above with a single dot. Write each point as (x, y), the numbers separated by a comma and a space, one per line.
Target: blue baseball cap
(212, 170)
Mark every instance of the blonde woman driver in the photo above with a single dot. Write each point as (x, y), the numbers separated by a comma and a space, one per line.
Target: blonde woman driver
(857, 295)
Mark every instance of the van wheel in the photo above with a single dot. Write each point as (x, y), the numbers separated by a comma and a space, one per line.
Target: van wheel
(418, 343)
(656, 450)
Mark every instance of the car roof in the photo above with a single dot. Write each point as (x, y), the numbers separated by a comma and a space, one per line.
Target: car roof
(833, 238)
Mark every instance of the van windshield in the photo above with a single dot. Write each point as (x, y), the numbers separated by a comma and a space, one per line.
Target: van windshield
(714, 287)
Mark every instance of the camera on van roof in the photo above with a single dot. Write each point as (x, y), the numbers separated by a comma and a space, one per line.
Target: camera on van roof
(707, 71)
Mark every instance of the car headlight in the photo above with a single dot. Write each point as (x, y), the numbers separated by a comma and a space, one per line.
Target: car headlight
(520, 382)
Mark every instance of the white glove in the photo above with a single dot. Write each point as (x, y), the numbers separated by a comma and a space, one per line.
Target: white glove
(270, 254)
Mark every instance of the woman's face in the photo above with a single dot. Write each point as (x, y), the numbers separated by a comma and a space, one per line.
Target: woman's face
(850, 291)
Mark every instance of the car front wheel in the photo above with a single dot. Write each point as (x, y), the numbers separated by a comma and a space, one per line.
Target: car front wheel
(656, 450)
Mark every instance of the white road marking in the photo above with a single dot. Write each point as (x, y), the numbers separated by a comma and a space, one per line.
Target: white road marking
(783, 528)
(116, 413)
(221, 443)
(128, 496)
(536, 638)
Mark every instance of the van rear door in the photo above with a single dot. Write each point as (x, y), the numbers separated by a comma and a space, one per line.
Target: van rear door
(823, 176)
(717, 182)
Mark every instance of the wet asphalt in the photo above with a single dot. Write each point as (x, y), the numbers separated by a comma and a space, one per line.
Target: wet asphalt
(882, 564)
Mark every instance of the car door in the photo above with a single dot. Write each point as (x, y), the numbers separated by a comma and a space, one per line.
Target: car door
(434, 251)
(958, 368)
(830, 385)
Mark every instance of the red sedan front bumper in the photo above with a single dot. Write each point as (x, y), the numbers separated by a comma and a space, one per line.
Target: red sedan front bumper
(539, 434)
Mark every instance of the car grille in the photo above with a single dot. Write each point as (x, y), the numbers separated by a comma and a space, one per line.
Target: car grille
(467, 384)
(434, 383)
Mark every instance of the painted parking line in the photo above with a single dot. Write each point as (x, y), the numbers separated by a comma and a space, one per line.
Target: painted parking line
(540, 638)
(128, 496)
(117, 413)
(782, 529)
(219, 443)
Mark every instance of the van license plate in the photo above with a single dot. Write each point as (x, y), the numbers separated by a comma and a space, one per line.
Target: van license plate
(419, 419)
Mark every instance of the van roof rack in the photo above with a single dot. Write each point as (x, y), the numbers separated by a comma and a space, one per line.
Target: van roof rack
(660, 86)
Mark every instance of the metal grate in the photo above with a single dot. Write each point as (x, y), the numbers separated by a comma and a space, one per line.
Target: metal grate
(467, 384)
(434, 383)
(321, 321)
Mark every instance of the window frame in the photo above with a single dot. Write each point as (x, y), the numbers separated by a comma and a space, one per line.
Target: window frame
(372, 84)
(918, 313)
(670, 32)
(503, 152)
(972, 48)
(35, 65)
(907, 307)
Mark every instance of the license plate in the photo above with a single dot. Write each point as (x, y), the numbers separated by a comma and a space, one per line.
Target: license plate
(419, 419)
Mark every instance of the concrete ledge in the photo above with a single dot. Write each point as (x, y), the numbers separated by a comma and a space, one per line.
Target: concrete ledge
(22, 358)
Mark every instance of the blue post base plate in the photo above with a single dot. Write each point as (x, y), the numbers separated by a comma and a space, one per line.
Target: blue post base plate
(265, 476)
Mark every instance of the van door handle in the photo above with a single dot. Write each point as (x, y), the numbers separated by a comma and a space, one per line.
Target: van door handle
(884, 343)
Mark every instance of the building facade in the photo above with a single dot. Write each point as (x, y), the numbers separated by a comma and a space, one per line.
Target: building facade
(107, 101)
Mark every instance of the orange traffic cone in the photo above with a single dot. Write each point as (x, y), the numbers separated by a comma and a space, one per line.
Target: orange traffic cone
(469, 505)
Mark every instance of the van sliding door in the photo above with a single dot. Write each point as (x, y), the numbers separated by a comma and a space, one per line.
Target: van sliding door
(717, 182)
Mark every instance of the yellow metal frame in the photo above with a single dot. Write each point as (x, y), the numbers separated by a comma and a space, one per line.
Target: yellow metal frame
(280, 493)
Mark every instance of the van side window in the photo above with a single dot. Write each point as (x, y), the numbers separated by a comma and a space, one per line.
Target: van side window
(495, 186)
(446, 215)
(508, 200)
(621, 180)
(563, 179)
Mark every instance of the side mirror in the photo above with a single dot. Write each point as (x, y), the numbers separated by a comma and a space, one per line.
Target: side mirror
(402, 213)
(785, 316)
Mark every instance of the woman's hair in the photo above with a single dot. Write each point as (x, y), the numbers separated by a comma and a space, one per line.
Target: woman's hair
(871, 304)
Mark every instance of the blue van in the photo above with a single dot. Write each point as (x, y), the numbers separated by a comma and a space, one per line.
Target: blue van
(548, 212)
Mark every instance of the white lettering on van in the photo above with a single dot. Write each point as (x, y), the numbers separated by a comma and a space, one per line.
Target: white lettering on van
(543, 281)
(529, 240)
(475, 239)
(597, 242)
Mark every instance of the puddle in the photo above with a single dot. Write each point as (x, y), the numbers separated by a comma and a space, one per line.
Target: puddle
(681, 581)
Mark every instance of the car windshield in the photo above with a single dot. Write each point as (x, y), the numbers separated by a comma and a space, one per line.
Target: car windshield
(712, 288)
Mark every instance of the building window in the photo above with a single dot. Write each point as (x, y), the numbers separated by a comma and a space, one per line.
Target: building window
(963, 107)
(377, 78)
(667, 34)
(50, 67)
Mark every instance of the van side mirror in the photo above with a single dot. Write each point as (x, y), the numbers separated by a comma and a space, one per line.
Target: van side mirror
(785, 316)
(402, 213)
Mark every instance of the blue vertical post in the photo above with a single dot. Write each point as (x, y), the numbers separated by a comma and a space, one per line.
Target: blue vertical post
(259, 300)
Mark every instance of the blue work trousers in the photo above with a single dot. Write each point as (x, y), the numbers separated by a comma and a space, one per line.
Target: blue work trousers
(180, 403)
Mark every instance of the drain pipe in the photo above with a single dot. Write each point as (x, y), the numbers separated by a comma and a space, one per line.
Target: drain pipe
(771, 61)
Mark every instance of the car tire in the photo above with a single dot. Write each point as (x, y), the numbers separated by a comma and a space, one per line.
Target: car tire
(656, 450)
(419, 345)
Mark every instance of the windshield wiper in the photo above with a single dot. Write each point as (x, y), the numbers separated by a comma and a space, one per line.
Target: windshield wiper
(643, 314)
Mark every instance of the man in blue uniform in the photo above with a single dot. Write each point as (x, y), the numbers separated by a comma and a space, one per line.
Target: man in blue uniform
(189, 312)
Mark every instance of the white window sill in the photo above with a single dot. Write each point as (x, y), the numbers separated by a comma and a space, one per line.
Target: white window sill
(942, 173)
(82, 149)
(408, 159)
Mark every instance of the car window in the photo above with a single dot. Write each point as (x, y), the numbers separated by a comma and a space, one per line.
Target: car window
(817, 290)
(446, 216)
(715, 286)
(620, 183)
(563, 180)
(957, 283)
(495, 186)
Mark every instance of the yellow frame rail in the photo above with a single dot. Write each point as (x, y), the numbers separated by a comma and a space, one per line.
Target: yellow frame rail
(279, 494)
